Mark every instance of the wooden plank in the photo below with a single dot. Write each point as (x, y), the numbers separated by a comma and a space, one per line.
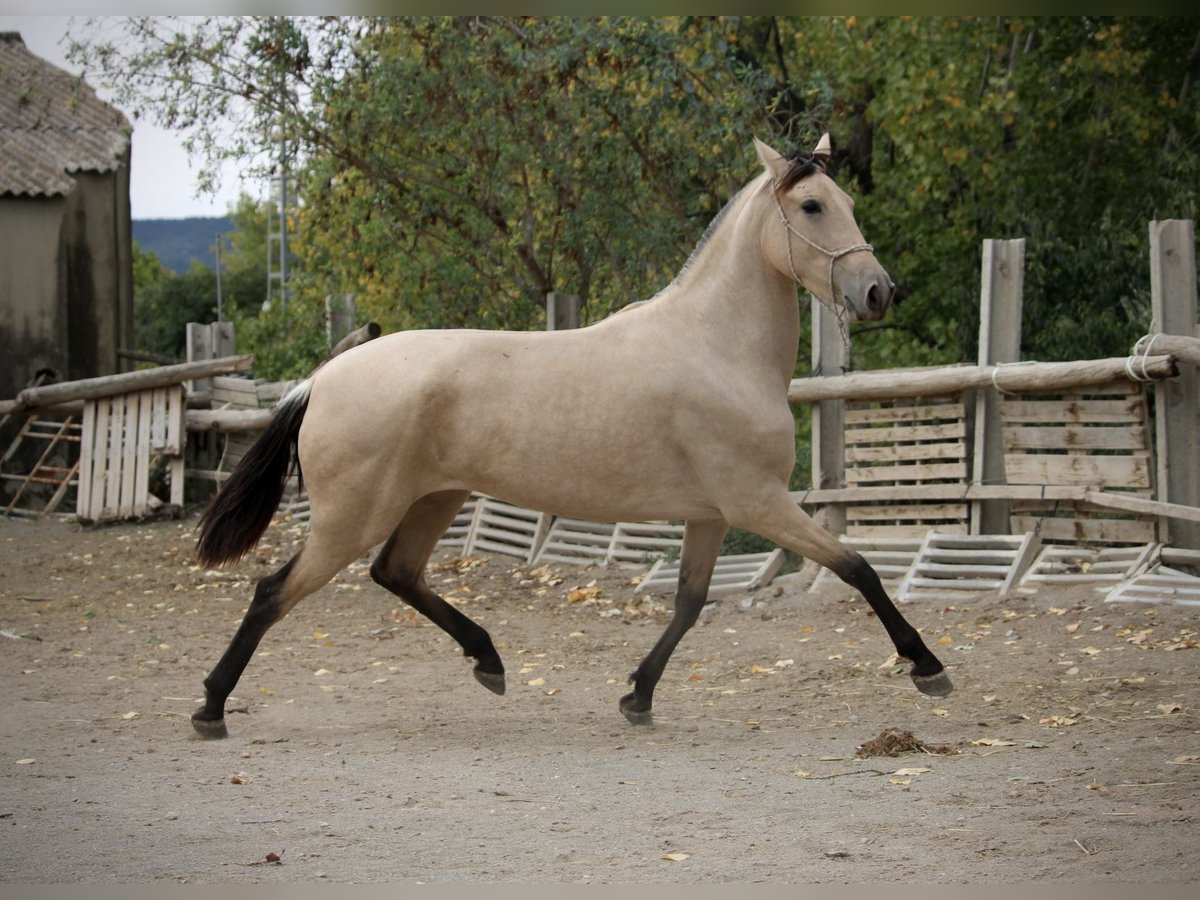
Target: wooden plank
(1126, 436)
(917, 472)
(1129, 409)
(911, 512)
(176, 435)
(1092, 471)
(945, 431)
(87, 443)
(1173, 303)
(123, 383)
(1087, 531)
(116, 438)
(939, 380)
(134, 440)
(872, 415)
(906, 453)
(141, 473)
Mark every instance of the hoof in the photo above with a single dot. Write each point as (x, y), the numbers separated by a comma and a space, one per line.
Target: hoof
(937, 685)
(210, 729)
(493, 681)
(630, 708)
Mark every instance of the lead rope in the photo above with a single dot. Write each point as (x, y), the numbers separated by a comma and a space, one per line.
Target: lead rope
(839, 311)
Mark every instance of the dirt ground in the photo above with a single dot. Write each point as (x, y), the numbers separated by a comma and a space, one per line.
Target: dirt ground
(362, 750)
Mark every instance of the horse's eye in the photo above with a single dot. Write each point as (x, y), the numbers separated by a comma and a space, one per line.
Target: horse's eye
(812, 207)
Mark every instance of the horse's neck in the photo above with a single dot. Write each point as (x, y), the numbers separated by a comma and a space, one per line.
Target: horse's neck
(731, 291)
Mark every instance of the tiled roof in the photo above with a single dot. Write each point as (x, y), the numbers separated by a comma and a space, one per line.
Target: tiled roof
(51, 124)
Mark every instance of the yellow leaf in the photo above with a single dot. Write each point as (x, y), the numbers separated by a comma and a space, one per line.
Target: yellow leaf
(536, 682)
(676, 857)
(912, 770)
(945, 640)
(899, 781)
(1058, 721)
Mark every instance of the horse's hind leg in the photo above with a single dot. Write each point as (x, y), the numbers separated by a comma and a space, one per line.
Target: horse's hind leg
(400, 567)
(701, 544)
(274, 596)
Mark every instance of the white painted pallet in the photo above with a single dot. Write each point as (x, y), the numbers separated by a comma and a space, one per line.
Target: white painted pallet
(1162, 581)
(500, 527)
(739, 572)
(1086, 565)
(459, 532)
(949, 565)
(637, 543)
(577, 542)
(891, 558)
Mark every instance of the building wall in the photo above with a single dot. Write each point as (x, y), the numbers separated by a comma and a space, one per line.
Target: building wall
(66, 281)
(33, 298)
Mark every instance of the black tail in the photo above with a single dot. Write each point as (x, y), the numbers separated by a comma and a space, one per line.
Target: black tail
(242, 509)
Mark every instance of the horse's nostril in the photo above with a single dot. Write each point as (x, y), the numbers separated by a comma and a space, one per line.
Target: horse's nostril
(874, 299)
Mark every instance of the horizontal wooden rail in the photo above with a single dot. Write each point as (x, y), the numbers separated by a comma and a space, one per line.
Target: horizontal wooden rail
(936, 381)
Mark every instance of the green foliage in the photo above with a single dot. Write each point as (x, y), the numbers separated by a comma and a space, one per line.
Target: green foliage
(453, 170)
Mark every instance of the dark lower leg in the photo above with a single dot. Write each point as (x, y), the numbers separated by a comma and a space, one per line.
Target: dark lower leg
(473, 638)
(927, 673)
(636, 705)
(265, 610)
(701, 544)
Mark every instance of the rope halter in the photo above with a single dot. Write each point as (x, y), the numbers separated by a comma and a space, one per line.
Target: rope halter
(834, 255)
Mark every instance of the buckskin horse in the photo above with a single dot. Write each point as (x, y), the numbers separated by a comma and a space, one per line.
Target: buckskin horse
(392, 437)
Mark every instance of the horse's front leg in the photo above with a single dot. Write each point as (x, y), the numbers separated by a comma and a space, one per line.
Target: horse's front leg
(701, 544)
(779, 519)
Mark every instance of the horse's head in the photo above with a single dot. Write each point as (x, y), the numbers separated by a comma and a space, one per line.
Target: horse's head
(810, 234)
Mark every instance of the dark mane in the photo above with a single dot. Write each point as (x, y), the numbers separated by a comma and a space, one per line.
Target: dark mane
(802, 166)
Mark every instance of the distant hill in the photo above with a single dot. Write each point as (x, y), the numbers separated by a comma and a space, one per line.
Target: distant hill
(176, 242)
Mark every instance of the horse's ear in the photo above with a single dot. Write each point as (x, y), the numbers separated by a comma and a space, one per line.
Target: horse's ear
(823, 151)
(771, 159)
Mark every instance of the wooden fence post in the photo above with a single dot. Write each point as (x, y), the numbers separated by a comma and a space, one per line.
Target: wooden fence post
(562, 311)
(828, 416)
(1001, 292)
(1177, 406)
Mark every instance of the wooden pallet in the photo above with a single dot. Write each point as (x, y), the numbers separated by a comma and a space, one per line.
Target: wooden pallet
(1103, 566)
(736, 573)
(894, 452)
(120, 435)
(891, 558)
(458, 534)
(501, 527)
(949, 565)
(1094, 437)
(577, 541)
(1172, 575)
(639, 543)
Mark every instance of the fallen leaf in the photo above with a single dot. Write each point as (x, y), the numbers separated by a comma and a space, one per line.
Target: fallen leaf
(129, 715)
(536, 682)
(321, 672)
(1169, 709)
(941, 713)
(993, 742)
(945, 640)
(1090, 651)
(900, 781)
(1186, 759)
(830, 758)
(26, 762)
(1058, 721)
(760, 670)
(676, 857)
(550, 692)
(784, 663)
(801, 773)
(912, 770)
